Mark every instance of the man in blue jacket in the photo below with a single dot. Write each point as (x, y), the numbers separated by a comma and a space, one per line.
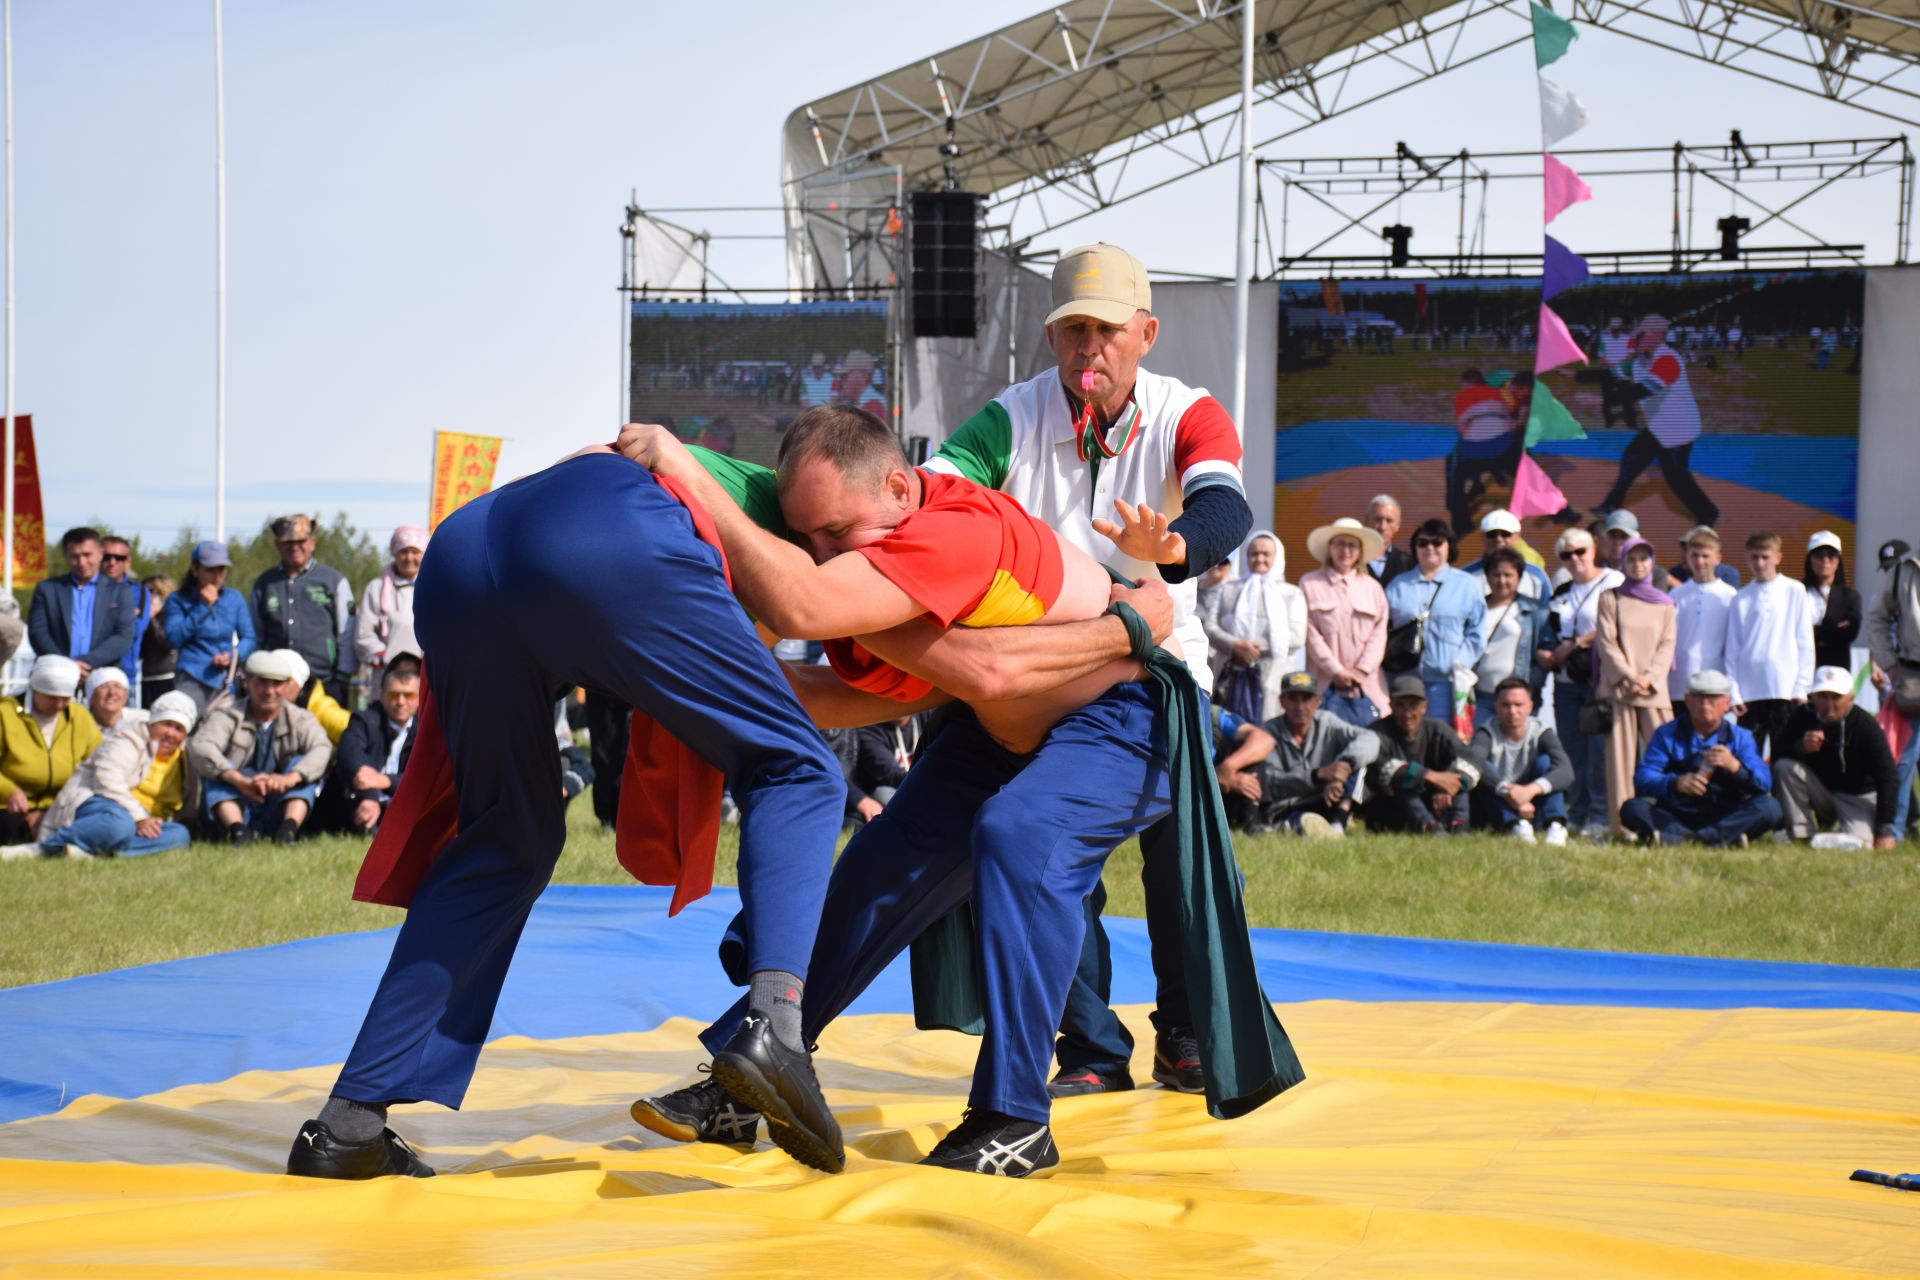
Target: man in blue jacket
(81, 614)
(1702, 777)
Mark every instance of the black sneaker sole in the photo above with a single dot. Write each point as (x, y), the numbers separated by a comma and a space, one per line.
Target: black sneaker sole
(741, 1078)
(647, 1118)
(1171, 1080)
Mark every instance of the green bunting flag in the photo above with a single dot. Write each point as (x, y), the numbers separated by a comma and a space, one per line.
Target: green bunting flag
(1551, 36)
(1548, 419)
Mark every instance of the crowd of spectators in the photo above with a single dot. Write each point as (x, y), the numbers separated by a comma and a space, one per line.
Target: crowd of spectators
(1610, 697)
(158, 715)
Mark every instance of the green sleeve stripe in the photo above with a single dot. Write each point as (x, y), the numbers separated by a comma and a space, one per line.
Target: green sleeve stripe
(982, 448)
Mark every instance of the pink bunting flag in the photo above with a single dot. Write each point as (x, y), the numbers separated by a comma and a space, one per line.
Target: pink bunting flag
(1564, 188)
(1534, 492)
(1557, 346)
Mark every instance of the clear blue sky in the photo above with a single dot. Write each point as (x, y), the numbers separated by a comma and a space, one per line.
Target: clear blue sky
(423, 200)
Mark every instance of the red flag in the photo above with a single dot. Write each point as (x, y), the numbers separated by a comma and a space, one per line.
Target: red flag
(29, 520)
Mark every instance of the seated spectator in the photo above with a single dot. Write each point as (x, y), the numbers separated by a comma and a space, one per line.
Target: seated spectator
(874, 760)
(260, 758)
(12, 629)
(305, 605)
(157, 654)
(332, 716)
(1517, 627)
(1346, 621)
(384, 625)
(1500, 528)
(1702, 777)
(376, 743)
(41, 743)
(208, 623)
(107, 695)
(1524, 771)
(1835, 606)
(1420, 779)
(1230, 733)
(1258, 620)
(120, 801)
(1311, 774)
(1833, 766)
(576, 769)
(83, 614)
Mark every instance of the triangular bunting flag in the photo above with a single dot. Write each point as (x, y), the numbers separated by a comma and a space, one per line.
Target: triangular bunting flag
(1551, 36)
(1564, 188)
(1564, 269)
(1548, 419)
(1561, 114)
(1534, 493)
(1557, 346)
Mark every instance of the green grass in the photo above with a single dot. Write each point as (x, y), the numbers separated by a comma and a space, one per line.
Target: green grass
(1771, 902)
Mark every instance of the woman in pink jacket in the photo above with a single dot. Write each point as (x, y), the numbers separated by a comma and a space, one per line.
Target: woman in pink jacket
(1346, 621)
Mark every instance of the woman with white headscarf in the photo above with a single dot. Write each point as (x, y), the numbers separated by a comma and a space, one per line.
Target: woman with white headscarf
(385, 623)
(1256, 628)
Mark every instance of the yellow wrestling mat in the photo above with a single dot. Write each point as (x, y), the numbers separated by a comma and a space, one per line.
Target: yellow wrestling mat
(1429, 1140)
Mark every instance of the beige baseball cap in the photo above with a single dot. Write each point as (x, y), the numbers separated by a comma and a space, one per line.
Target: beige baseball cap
(1099, 280)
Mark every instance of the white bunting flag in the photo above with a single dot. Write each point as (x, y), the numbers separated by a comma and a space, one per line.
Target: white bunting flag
(1561, 114)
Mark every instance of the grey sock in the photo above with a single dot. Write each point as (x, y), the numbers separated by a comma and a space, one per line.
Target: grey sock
(776, 995)
(352, 1121)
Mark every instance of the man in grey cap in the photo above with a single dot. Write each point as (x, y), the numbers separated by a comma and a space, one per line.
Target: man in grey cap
(260, 758)
(1309, 780)
(1142, 472)
(1702, 778)
(1423, 776)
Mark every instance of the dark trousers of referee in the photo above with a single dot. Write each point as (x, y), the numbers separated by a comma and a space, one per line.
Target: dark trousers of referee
(1024, 838)
(585, 574)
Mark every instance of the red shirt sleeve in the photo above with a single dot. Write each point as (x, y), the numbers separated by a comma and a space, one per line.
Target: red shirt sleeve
(1205, 435)
(944, 557)
(1667, 369)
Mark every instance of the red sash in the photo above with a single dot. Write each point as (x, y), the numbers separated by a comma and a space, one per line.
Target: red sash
(667, 831)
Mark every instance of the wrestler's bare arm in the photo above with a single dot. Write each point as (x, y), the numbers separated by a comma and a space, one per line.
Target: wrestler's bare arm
(832, 704)
(993, 664)
(777, 581)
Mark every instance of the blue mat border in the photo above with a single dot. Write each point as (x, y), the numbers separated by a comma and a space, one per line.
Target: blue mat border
(602, 959)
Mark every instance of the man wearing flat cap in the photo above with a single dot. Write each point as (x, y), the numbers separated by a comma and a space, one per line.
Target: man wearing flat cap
(1142, 472)
(259, 758)
(304, 605)
(1702, 778)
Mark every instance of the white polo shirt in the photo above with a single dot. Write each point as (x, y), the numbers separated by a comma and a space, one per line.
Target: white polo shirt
(1024, 444)
(1700, 612)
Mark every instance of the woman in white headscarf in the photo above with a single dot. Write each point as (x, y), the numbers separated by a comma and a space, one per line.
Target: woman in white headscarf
(1257, 629)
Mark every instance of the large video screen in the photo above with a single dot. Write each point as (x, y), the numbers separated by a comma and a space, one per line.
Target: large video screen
(731, 376)
(1420, 389)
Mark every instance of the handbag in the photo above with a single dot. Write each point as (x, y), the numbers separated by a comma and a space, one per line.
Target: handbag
(1596, 717)
(1905, 692)
(1406, 642)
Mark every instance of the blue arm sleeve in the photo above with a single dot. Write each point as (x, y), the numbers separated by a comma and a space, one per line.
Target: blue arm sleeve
(1216, 521)
(1752, 767)
(174, 621)
(243, 624)
(1652, 777)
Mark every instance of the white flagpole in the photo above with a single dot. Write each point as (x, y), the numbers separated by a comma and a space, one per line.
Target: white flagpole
(1243, 239)
(6, 20)
(220, 284)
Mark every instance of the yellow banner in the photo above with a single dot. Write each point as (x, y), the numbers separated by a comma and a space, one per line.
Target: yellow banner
(462, 471)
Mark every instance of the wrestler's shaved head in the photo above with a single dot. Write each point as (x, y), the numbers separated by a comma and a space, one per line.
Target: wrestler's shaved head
(856, 443)
(844, 482)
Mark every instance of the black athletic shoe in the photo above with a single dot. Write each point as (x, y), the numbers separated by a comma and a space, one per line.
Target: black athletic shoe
(756, 1069)
(702, 1112)
(1176, 1061)
(318, 1154)
(1078, 1082)
(995, 1144)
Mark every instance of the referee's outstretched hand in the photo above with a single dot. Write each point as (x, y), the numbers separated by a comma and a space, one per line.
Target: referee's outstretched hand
(1142, 533)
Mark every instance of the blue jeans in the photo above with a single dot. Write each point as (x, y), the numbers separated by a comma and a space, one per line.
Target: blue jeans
(1753, 816)
(1357, 709)
(263, 817)
(105, 830)
(1440, 699)
(1587, 797)
(1909, 757)
(1490, 811)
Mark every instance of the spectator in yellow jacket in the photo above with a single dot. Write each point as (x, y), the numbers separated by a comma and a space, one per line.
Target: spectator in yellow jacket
(332, 716)
(42, 741)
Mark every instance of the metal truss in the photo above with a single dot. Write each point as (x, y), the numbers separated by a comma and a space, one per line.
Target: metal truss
(1102, 101)
(1341, 183)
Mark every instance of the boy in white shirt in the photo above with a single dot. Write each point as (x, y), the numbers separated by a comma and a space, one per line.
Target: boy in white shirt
(1769, 648)
(1701, 606)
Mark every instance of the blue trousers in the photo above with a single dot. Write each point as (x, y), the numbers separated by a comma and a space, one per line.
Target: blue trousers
(262, 817)
(1022, 837)
(1490, 811)
(588, 574)
(1587, 797)
(1909, 758)
(106, 830)
(1753, 816)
